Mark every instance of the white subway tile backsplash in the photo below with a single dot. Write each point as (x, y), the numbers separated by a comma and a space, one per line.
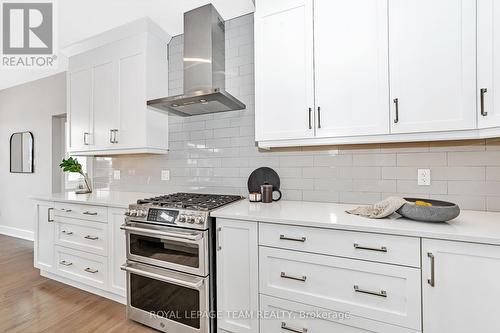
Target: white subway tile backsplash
(421, 159)
(215, 153)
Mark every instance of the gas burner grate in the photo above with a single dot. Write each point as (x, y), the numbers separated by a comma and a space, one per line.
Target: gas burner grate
(194, 201)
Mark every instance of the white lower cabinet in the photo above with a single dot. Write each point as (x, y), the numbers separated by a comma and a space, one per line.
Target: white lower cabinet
(117, 250)
(383, 292)
(237, 276)
(300, 318)
(44, 236)
(82, 245)
(460, 287)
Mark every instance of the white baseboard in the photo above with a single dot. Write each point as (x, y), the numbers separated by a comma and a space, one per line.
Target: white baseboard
(18, 233)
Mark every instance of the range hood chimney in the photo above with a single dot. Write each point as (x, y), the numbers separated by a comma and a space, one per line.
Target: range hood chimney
(204, 68)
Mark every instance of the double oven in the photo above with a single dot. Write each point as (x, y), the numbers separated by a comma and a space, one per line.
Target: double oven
(170, 270)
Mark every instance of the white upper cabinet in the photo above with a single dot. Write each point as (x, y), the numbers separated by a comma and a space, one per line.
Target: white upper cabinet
(79, 85)
(432, 56)
(383, 71)
(351, 67)
(284, 70)
(460, 287)
(110, 79)
(488, 63)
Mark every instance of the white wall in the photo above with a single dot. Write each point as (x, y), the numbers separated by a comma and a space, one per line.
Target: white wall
(28, 107)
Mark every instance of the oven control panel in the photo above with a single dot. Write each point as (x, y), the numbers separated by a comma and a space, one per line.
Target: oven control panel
(162, 215)
(180, 217)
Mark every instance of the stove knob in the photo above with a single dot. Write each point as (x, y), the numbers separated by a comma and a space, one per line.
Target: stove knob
(127, 212)
(133, 212)
(182, 218)
(190, 219)
(198, 220)
(141, 213)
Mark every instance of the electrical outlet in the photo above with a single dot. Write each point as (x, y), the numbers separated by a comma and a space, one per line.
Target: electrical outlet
(116, 174)
(424, 177)
(165, 174)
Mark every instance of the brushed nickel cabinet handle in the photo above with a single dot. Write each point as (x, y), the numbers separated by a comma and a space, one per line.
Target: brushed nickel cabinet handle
(296, 278)
(377, 249)
(300, 239)
(319, 117)
(431, 281)
(91, 270)
(396, 103)
(284, 326)
(90, 213)
(381, 293)
(69, 233)
(310, 121)
(85, 141)
(217, 236)
(111, 136)
(66, 210)
(91, 237)
(65, 263)
(49, 216)
(483, 111)
(115, 137)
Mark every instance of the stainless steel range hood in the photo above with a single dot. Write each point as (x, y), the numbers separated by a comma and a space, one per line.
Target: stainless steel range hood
(204, 68)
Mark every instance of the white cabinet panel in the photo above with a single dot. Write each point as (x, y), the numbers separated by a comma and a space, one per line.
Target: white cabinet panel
(105, 102)
(488, 62)
(80, 108)
(44, 236)
(117, 251)
(432, 65)
(237, 274)
(464, 297)
(290, 315)
(284, 70)
(382, 292)
(132, 101)
(351, 67)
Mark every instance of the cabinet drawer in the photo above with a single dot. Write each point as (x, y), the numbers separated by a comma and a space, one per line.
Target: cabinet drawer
(398, 250)
(81, 266)
(81, 235)
(86, 212)
(381, 292)
(283, 314)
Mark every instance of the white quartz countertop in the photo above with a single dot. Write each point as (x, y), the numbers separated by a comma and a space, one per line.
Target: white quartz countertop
(470, 226)
(99, 198)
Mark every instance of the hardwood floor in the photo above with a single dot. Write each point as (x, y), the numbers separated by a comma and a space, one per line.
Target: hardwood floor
(30, 303)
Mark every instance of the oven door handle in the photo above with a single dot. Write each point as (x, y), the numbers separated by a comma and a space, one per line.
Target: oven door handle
(130, 269)
(174, 235)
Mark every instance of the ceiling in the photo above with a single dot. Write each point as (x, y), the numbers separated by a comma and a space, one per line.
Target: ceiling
(83, 19)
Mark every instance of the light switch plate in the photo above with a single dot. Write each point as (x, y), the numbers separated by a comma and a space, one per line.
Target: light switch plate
(116, 174)
(424, 177)
(165, 174)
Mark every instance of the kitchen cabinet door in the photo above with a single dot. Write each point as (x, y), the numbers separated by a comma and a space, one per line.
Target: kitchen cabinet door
(132, 101)
(488, 63)
(117, 251)
(80, 109)
(351, 67)
(432, 52)
(44, 236)
(237, 275)
(284, 67)
(105, 104)
(460, 287)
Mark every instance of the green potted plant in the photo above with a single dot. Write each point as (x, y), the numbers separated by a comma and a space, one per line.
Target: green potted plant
(72, 165)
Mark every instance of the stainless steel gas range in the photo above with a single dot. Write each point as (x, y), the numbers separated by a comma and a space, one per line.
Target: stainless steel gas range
(171, 261)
